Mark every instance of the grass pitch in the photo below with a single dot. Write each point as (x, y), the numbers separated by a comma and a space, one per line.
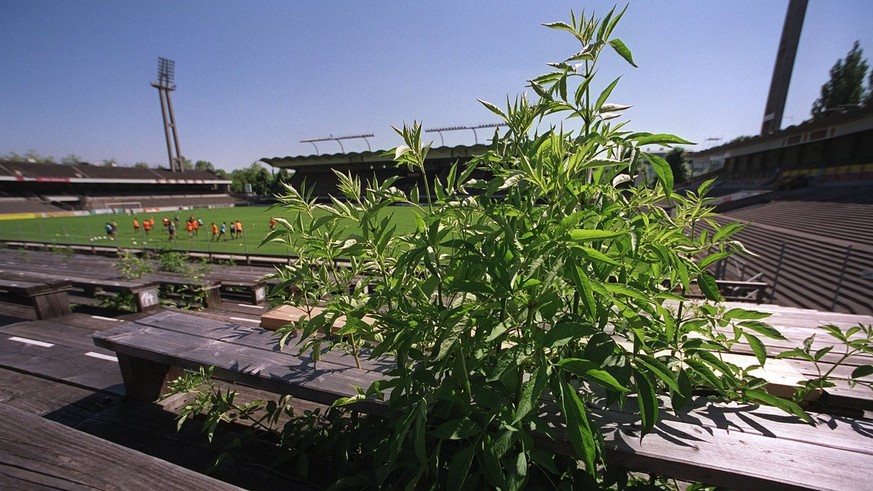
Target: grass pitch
(90, 229)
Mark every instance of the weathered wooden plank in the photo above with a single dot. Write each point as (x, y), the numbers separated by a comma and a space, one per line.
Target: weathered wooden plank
(39, 395)
(256, 337)
(35, 452)
(209, 288)
(731, 446)
(51, 332)
(145, 293)
(837, 432)
(275, 371)
(60, 363)
(49, 298)
(735, 459)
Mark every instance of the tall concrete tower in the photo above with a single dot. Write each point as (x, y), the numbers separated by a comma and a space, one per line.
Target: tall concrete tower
(784, 66)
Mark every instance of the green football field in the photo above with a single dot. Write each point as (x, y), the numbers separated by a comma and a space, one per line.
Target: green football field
(90, 229)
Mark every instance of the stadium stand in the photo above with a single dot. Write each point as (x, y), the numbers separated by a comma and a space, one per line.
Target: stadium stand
(852, 222)
(9, 205)
(813, 253)
(51, 188)
(317, 171)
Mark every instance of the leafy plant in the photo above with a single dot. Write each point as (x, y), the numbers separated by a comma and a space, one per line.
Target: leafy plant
(552, 287)
(857, 340)
(123, 301)
(173, 262)
(183, 296)
(131, 266)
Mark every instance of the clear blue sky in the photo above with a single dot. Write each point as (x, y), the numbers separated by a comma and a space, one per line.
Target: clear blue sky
(253, 78)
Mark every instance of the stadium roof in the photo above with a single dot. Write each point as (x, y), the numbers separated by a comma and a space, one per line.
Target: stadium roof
(380, 156)
(839, 121)
(83, 173)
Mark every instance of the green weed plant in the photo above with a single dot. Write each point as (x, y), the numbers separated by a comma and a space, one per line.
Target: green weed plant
(521, 304)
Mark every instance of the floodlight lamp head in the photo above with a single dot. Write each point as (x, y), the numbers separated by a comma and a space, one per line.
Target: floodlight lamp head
(166, 72)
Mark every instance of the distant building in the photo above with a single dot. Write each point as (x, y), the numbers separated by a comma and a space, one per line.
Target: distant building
(838, 147)
(317, 171)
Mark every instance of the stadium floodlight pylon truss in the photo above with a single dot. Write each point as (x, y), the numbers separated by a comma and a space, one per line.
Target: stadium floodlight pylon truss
(165, 84)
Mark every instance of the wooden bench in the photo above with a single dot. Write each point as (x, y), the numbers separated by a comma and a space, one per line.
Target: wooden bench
(254, 291)
(737, 291)
(153, 349)
(144, 293)
(744, 447)
(180, 285)
(48, 297)
(742, 290)
(36, 453)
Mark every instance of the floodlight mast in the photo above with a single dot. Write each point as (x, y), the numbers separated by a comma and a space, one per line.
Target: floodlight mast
(165, 85)
(456, 128)
(337, 139)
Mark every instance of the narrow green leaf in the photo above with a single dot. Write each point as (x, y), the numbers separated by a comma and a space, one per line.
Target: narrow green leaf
(562, 26)
(623, 51)
(595, 163)
(613, 22)
(708, 286)
(796, 353)
(822, 352)
(521, 464)
(626, 290)
(583, 287)
(681, 397)
(862, 371)
(763, 328)
(835, 332)
(658, 368)
(580, 90)
(581, 235)
(601, 100)
(663, 171)
(757, 347)
(491, 463)
(661, 139)
(743, 314)
(705, 372)
(563, 331)
(459, 468)
(530, 393)
(648, 401)
(597, 255)
(713, 258)
(728, 371)
(727, 231)
(787, 406)
(578, 429)
(600, 347)
(496, 110)
(456, 429)
(544, 459)
(591, 372)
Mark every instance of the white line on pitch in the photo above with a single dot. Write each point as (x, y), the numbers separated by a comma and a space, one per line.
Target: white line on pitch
(249, 305)
(101, 356)
(105, 318)
(31, 341)
(256, 321)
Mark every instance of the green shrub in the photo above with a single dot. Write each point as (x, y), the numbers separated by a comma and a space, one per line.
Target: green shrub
(555, 286)
(131, 266)
(123, 302)
(173, 262)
